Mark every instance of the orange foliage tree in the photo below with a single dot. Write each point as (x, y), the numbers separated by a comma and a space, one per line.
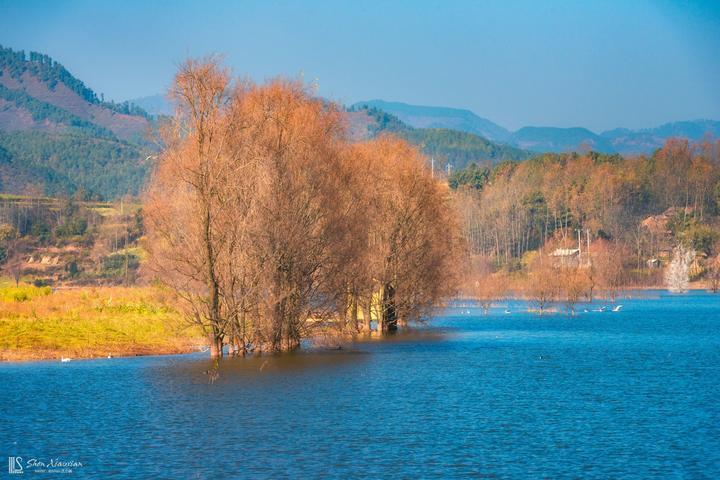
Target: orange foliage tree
(267, 222)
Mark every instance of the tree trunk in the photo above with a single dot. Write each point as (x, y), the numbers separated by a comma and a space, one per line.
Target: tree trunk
(239, 345)
(213, 287)
(367, 317)
(354, 314)
(388, 318)
(215, 346)
(234, 345)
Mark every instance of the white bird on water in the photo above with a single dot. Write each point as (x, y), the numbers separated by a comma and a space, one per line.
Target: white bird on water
(65, 359)
(617, 308)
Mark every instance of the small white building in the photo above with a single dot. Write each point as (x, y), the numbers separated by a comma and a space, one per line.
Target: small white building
(654, 263)
(566, 257)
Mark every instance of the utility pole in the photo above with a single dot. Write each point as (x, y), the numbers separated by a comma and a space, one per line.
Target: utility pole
(579, 232)
(127, 260)
(432, 167)
(589, 261)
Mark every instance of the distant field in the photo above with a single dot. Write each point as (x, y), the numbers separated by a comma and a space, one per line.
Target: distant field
(37, 323)
(102, 208)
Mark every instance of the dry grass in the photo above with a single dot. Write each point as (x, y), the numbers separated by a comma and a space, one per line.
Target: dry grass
(36, 323)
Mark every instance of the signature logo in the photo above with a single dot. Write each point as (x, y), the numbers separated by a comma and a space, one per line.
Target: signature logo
(15, 465)
(35, 465)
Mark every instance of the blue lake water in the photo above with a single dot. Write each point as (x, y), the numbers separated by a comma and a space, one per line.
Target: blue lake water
(629, 394)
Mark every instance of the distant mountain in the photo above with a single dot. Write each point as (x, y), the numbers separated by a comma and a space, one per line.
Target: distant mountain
(446, 146)
(551, 139)
(154, 104)
(419, 116)
(57, 134)
(619, 140)
(548, 139)
(646, 140)
(690, 129)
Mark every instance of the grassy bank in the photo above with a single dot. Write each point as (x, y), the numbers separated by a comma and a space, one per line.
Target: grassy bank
(38, 323)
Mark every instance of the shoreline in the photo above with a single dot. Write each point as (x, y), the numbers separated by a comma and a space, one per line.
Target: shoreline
(108, 326)
(37, 323)
(623, 293)
(14, 356)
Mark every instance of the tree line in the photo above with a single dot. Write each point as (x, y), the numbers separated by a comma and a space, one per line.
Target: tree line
(626, 215)
(270, 225)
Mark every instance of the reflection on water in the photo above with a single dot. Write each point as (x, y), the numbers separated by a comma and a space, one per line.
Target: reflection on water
(246, 368)
(631, 394)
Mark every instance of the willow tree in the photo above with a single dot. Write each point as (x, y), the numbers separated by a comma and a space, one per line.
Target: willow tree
(192, 237)
(267, 222)
(301, 227)
(412, 233)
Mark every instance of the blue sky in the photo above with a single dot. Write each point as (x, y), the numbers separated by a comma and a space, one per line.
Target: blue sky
(596, 64)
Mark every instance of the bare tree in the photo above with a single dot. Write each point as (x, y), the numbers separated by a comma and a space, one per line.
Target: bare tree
(609, 267)
(542, 284)
(574, 284)
(15, 262)
(301, 224)
(190, 197)
(714, 274)
(677, 273)
(413, 239)
(482, 284)
(13, 248)
(270, 226)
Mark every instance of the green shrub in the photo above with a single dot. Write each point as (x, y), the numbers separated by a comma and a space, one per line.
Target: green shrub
(114, 265)
(23, 292)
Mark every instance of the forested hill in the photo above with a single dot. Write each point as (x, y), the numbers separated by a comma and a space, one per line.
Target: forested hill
(58, 136)
(552, 139)
(420, 116)
(454, 147)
